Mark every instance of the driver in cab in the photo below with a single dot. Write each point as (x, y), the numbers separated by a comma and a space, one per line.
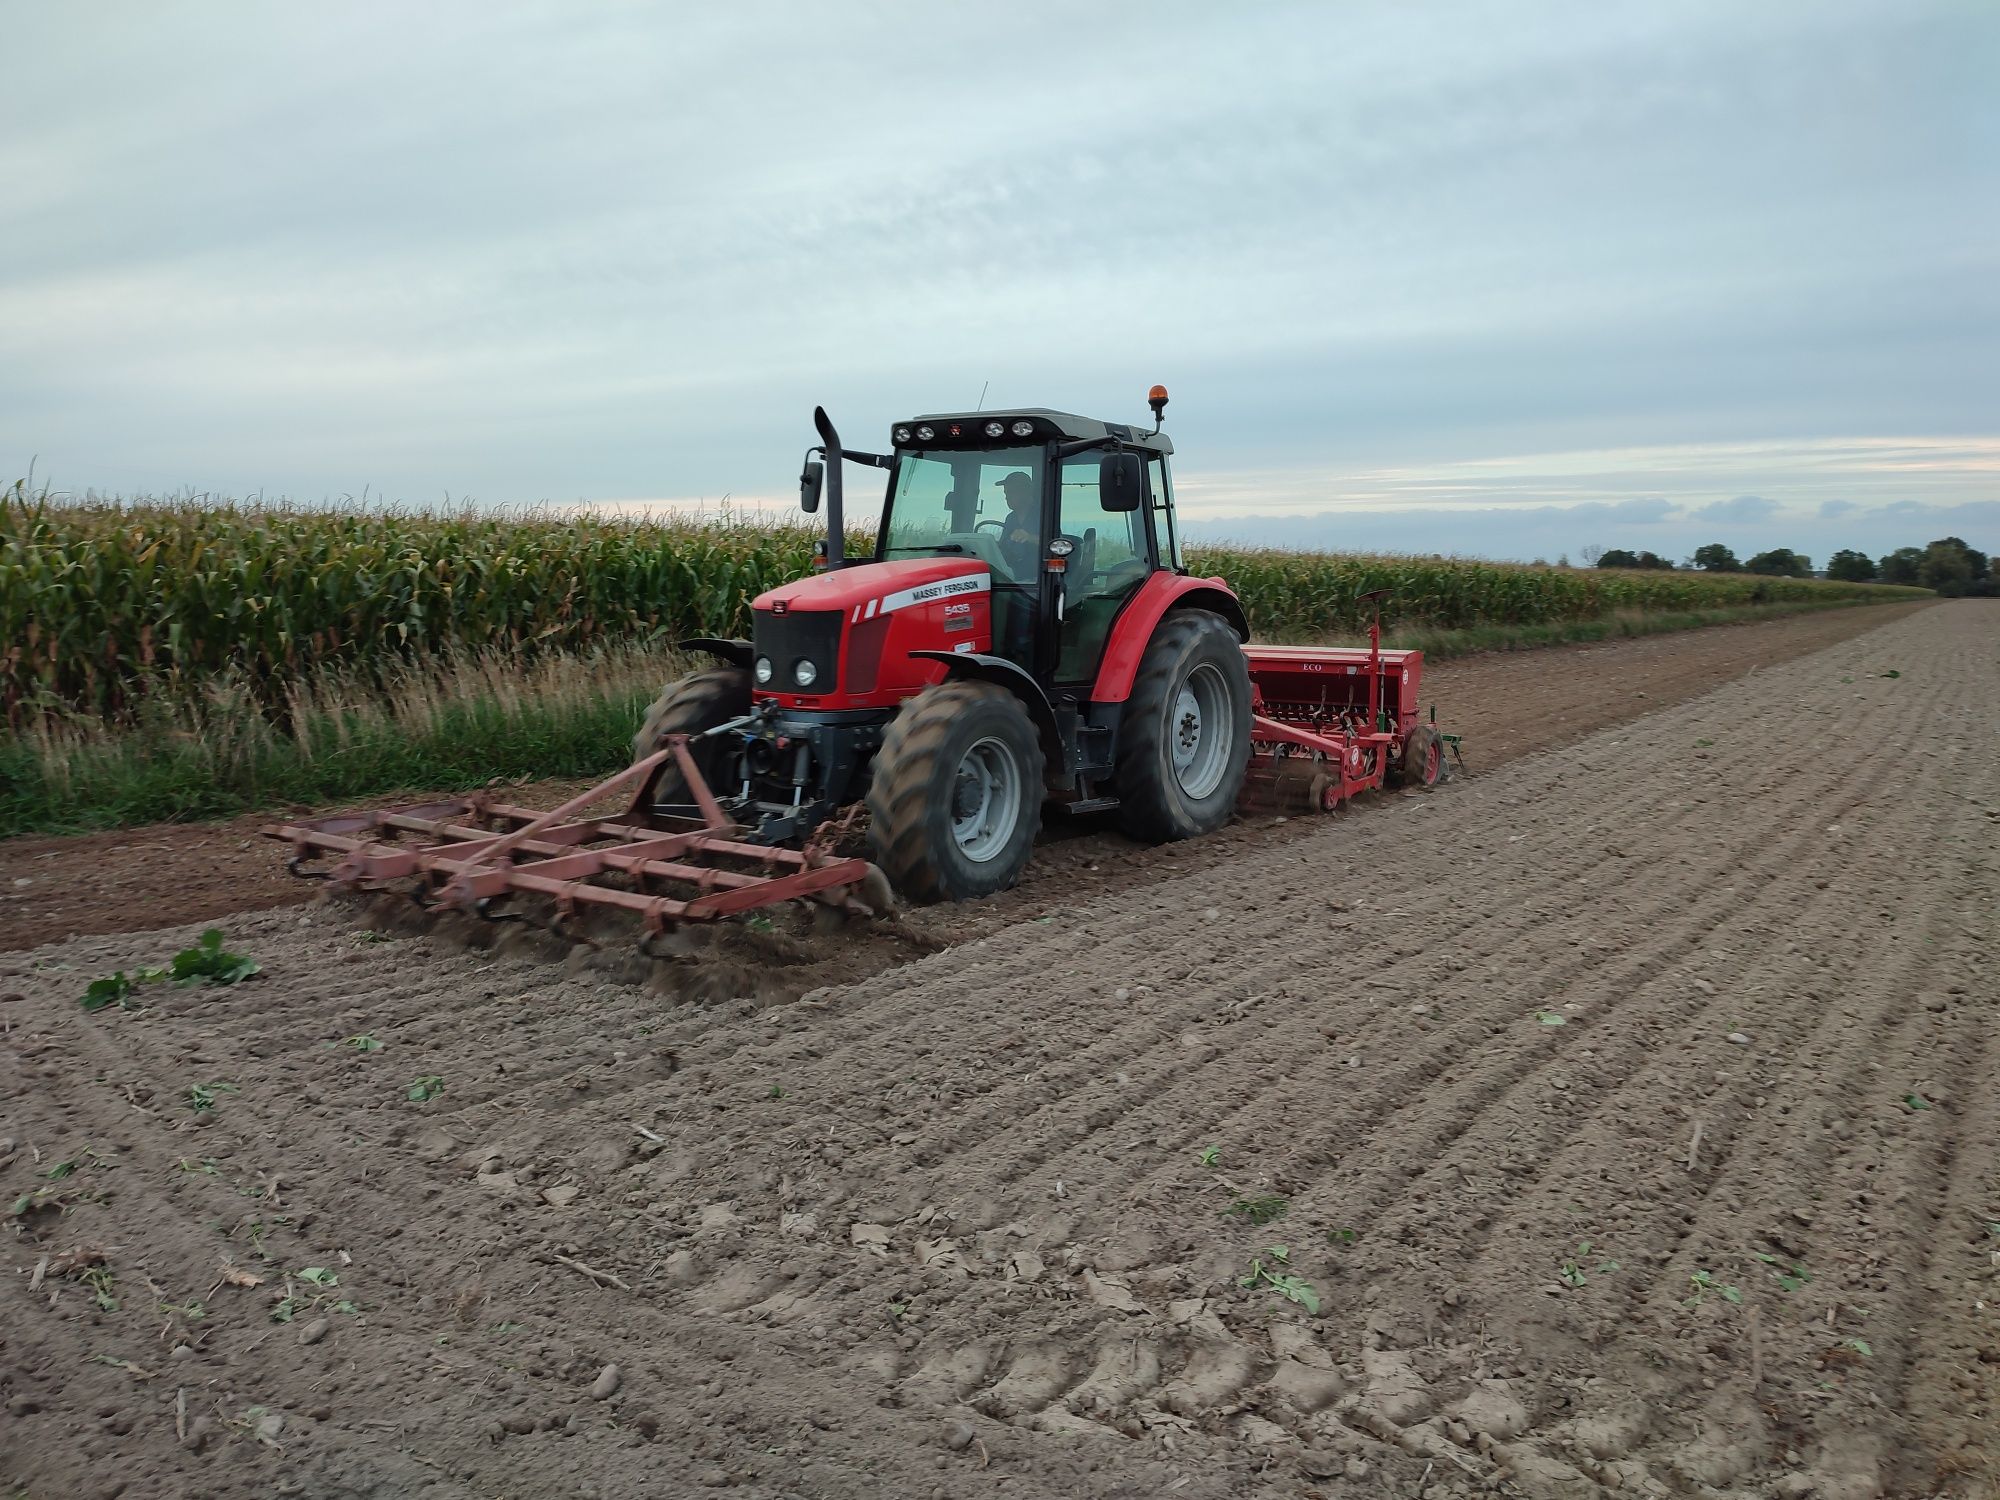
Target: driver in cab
(1021, 532)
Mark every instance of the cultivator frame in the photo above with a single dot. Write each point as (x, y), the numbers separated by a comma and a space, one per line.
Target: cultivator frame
(479, 853)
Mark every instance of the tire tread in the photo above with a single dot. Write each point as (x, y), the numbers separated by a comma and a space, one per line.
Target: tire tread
(900, 792)
(1147, 809)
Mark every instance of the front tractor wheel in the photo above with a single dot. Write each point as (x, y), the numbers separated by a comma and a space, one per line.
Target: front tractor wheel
(956, 793)
(696, 703)
(1184, 742)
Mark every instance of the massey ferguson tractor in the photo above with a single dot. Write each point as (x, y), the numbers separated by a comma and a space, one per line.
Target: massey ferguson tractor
(1022, 636)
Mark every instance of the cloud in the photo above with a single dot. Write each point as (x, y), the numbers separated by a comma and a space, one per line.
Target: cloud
(1742, 510)
(1649, 512)
(1832, 508)
(1526, 532)
(628, 253)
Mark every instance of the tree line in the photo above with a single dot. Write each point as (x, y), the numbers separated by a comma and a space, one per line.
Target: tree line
(1948, 565)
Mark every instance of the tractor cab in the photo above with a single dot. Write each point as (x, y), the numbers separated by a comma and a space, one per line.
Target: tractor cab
(1067, 514)
(1061, 518)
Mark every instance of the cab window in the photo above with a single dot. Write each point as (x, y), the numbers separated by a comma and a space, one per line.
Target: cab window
(956, 502)
(1107, 563)
(1160, 498)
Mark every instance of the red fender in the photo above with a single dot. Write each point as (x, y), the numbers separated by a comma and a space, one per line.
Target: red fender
(1133, 630)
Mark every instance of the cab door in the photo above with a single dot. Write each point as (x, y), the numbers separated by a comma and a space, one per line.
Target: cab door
(1111, 555)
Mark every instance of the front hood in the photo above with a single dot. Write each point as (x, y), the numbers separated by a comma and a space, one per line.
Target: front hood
(875, 583)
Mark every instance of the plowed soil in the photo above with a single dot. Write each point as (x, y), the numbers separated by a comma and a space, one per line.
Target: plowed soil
(1622, 1121)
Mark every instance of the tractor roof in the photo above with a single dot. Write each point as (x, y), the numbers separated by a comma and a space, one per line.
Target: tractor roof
(1062, 424)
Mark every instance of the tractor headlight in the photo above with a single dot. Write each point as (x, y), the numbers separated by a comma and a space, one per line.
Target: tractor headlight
(902, 434)
(925, 434)
(1024, 429)
(804, 673)
(994, 429)
(763, 669)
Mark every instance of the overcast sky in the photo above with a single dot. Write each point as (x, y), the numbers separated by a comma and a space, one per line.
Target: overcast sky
(1504, 279)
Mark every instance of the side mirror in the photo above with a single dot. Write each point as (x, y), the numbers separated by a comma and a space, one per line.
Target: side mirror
(1121, 481)
(811, 480)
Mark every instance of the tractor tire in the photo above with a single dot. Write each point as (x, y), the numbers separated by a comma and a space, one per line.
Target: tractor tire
(697, 702)
(1184, 742)
(1422, 760)
(955, 794)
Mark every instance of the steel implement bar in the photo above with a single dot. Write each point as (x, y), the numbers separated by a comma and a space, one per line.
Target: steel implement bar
(358, 822)
(475, 882)
(711, 811)
(780, 888)
(368, 860)
(633, 772)
(762, 893)
(468, 842)
(548, 854)
(1274, 731)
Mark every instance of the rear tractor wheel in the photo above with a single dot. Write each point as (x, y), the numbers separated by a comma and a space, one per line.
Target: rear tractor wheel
(696, 703)
(1184, 743)
(955, 794)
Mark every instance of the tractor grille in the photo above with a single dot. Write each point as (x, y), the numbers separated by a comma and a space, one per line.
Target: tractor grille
(811, 635)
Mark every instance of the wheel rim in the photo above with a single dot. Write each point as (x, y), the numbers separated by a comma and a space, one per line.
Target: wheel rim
(1433, 762)
(1200, 730)
(985, 800)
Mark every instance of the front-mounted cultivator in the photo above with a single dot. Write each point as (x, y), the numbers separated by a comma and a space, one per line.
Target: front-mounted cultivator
(559, 868)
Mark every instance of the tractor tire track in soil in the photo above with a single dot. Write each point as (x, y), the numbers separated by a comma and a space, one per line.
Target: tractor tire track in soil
(1507, 704)
(1625, 1116)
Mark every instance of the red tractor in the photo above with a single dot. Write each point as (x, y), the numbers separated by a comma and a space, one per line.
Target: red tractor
(1023, 633)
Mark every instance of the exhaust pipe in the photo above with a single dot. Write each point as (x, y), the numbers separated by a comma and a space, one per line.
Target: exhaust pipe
(836, 520)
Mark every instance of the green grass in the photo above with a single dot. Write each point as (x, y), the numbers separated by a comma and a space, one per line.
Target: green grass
(456, 727)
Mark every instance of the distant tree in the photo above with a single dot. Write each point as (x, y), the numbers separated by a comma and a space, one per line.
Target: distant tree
(1617, 557)
(1716, 558)
(1563, 561)
(1952, 567)
(1902, 565)
(1780, 562)
(1591, 554)
(1851, 567)
(1655, 561)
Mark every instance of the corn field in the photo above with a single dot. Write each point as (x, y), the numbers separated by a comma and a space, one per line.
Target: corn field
(1307, 594)
(102, 601)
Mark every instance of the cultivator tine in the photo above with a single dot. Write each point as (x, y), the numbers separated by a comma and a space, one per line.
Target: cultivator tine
(711, 811)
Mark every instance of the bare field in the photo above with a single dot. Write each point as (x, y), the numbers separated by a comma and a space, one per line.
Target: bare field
(1626, 1117)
